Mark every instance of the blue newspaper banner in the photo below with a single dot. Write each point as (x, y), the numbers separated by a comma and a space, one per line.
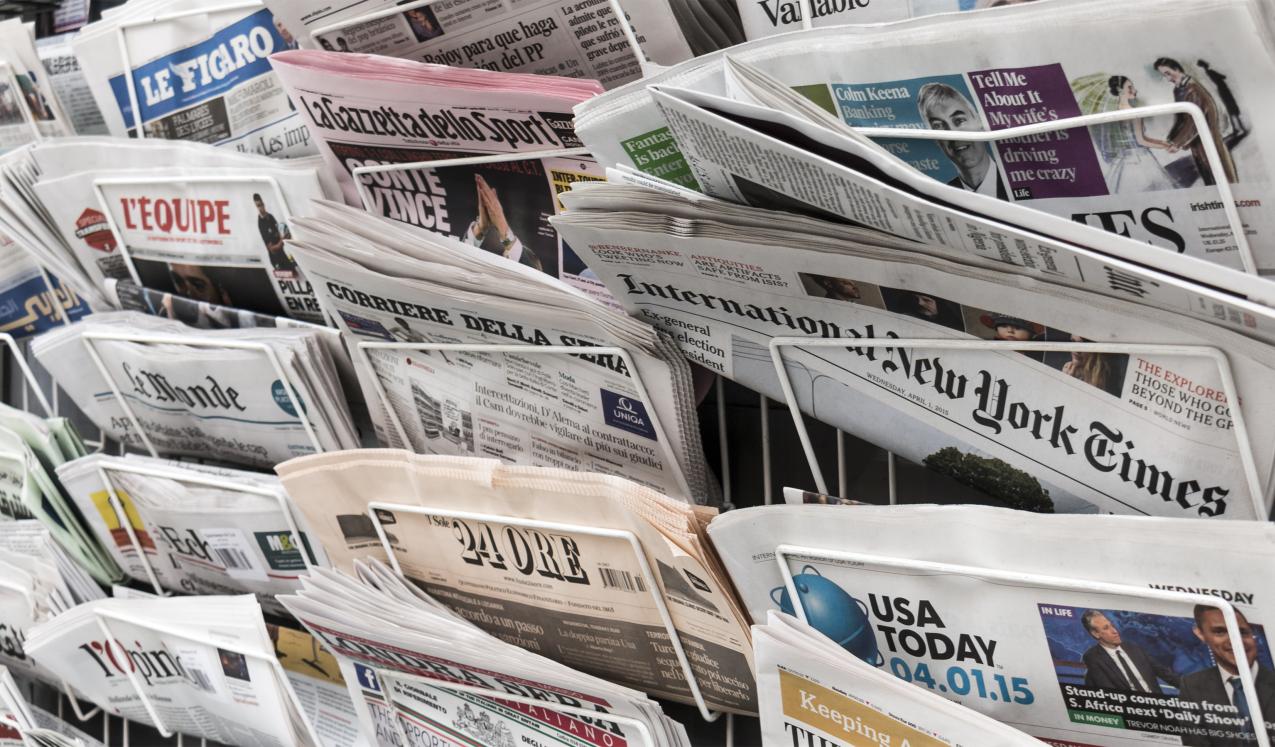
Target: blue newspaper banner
(234, 55)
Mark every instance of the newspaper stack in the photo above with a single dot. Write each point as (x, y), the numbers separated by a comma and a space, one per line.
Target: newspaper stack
(811, 689)
(202, 529)
(1147, 179)
(583, 40)
(366, 110)
(1115, 647)
(228, 395)
(393, 285)
(575, 566)
(1125, 418)
(31, 449)
(38, 580)
(25, 725)
(205, 667)
(194, 73)
(29, 110)
(186, 218)
(401, 653)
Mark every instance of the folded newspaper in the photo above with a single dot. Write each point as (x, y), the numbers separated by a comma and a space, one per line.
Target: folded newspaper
(25, 725)
(1025, 390)
(31, 449)
(29, 108)
(187, 218)
(366, 110)
(203, 666)
(402, 654)
(937, 219)
(813, 691)
(1118, 647)
(193, 72)
(542, 399)
(576, 566)
(193, 529)
(38, 580)
(583, 39)
(768, 17)
(1147, 178)
(254, 397)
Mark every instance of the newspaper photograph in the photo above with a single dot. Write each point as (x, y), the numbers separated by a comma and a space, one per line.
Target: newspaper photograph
(500, 204)
(1142, 656)
(203, 76)
(1071, 426)
(810, 688)
(1147, 179)
(582, 39)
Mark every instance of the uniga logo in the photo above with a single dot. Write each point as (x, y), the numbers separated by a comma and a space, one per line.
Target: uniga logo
(626, 414)
(92, 227)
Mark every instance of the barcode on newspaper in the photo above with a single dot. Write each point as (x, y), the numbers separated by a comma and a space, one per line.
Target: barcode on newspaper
(200, 679)
(622, 580)
(233, 558)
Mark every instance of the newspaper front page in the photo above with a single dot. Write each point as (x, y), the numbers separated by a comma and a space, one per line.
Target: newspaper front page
(581, 599)
(1114, 430)
(813, 689)
(70, 85)
(1146, 661)
(1147, 179)
(768, 17)
(367, 112)
(205, 76)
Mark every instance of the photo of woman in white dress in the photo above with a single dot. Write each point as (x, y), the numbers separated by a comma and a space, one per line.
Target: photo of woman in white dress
(1128, 153)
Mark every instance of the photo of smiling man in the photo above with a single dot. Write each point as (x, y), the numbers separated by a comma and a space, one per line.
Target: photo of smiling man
(942, 107)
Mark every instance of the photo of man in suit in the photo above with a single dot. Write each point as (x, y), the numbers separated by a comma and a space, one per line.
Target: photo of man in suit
(1183, 135)
(1221, 684)
(1115, 664)
(942, 107)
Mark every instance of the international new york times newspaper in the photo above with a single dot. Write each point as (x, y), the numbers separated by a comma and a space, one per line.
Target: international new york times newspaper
(1066, 664)
(1129, 431)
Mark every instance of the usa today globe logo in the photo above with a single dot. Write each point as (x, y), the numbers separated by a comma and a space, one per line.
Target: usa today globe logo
(833, 612)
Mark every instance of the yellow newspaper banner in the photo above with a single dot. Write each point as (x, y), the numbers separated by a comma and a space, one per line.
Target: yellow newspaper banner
(844, 718)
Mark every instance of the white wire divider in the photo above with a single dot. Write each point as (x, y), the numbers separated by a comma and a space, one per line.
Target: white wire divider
(121, 39)
(386, 679)
(103, 616)
(204, 480)
(644, 566)
(92, 338)
(785, 554)
(1225, 194)
(1227, 379)
(384, 168)
(362, 348)
(100, 184)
